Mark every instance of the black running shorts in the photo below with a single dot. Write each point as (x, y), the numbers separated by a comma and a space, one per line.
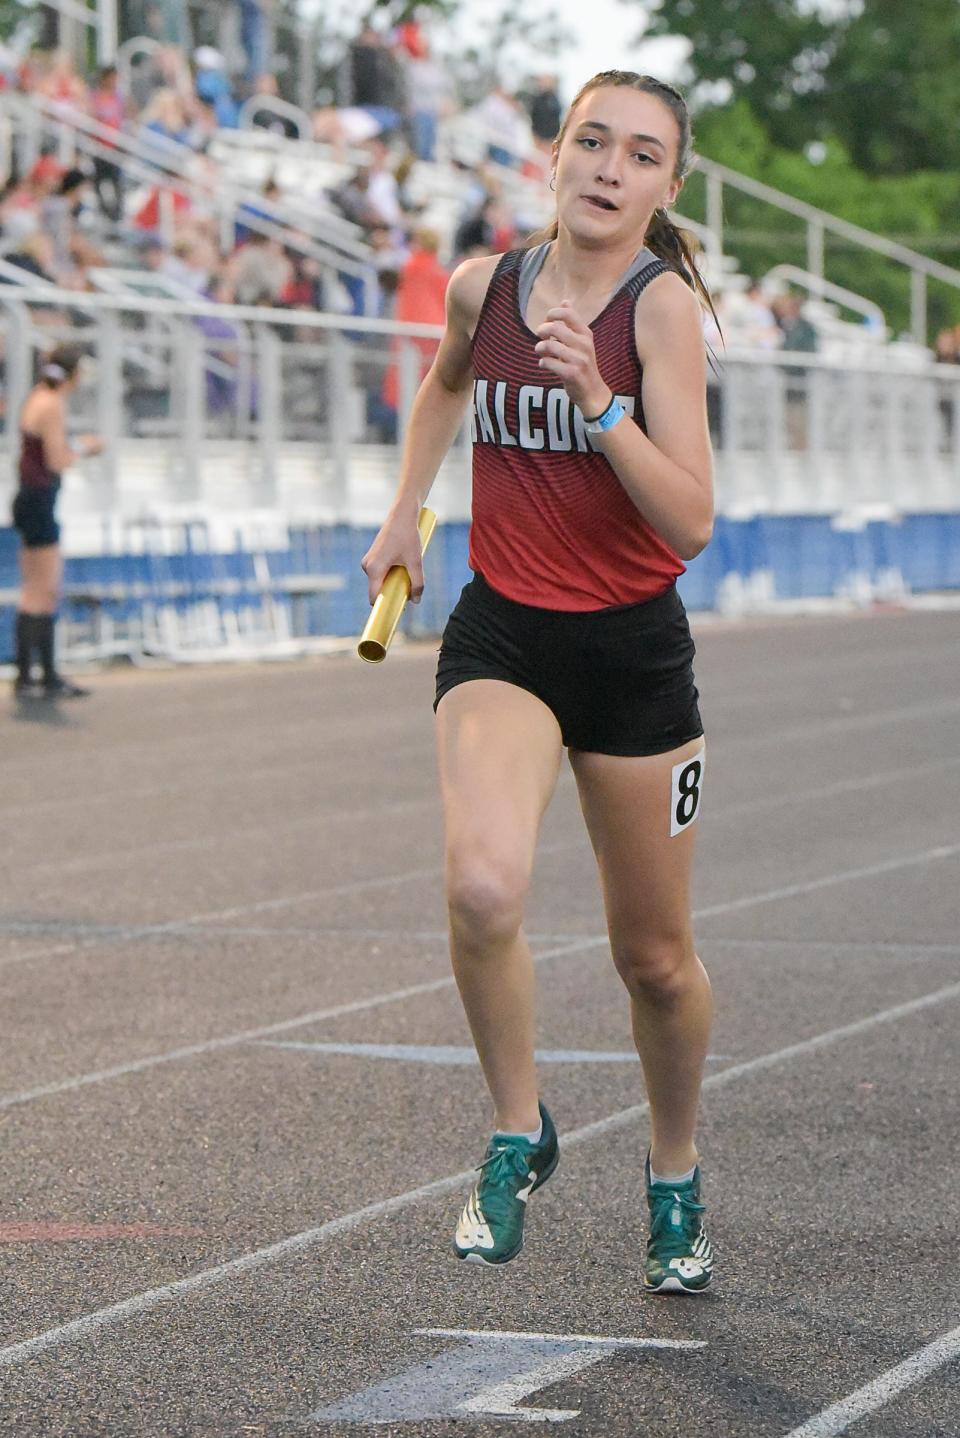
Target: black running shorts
(618, 680)
(33, 516)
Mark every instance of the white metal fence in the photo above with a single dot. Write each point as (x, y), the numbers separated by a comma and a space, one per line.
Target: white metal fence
(304, 411)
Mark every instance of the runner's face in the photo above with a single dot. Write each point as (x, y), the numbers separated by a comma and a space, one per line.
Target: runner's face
(616, 165)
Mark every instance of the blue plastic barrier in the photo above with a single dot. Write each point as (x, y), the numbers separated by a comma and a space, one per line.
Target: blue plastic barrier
(766, 558)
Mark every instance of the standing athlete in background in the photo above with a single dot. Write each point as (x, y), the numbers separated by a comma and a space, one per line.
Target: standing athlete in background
(592, 482)
(44, 452)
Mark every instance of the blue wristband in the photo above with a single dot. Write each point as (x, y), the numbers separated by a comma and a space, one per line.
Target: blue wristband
(613, 412)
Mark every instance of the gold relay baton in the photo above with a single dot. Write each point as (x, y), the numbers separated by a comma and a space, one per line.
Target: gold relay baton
(389, 604)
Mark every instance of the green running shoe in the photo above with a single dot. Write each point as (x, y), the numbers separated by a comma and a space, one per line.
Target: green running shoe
(679, 1257)
(491, 1225)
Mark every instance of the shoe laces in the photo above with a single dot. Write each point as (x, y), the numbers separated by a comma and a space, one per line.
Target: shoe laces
(504, 1170)
(674, 1221)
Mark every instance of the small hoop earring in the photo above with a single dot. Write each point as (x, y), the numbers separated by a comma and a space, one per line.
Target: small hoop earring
(553, 182)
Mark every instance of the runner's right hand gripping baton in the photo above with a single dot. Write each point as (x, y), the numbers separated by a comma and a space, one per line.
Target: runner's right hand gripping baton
(389, 605)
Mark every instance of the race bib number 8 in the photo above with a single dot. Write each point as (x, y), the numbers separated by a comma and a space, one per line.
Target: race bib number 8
(685, 788)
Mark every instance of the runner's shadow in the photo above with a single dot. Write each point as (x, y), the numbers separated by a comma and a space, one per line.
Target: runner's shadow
(43, 712)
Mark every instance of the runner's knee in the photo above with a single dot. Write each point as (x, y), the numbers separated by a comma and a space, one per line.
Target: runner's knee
(657, 969)
(485, 897)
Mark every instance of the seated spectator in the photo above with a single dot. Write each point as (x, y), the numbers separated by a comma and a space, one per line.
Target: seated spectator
(204, 127)
(757, 323)
(84, 257)
(34, 254)
(344, 128)
(474, 235)
(745, 318)
(22, 200)
(489, 230)
(165, 120)
(382, 187)
(387, 253)
(46, 174)
(265, 209)
(163, 69)
(109, 110)
(798, 333)
(304, 289)
(545, 113)
(265, 86)
(213, 88)
(354, 201)
(9, 68)
(194, 261)
(61, 84)
(58, 216)
(149, 253)
(947, 346)
(505, 128)
(258, 268)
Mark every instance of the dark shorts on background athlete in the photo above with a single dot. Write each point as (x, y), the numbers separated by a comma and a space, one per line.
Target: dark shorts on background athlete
(34, 516)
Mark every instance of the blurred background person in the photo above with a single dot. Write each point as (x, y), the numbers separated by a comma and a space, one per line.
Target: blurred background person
(108, 108)
(44, 453)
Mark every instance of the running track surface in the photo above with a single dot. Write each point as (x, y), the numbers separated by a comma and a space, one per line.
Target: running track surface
(213, 1225)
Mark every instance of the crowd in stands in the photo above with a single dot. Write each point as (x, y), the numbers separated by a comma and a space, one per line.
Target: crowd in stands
(65, 217)
(61, 219)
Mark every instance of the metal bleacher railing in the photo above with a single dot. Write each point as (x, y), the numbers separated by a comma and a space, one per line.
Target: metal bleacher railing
(818, 224)
(313, 230)
(251, 454)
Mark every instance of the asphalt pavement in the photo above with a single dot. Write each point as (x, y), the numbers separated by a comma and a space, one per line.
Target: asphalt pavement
(239, 1114)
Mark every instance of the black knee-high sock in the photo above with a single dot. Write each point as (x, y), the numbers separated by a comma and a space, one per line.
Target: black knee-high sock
(44, 643)
(25, 645)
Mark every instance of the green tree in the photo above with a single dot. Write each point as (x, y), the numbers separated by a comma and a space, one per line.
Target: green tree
(880, 74)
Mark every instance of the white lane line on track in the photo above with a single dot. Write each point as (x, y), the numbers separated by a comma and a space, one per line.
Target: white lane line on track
(876, 1394)
(153, 1298)
(386, 881)
(262, 906)
(17, 766)
(355, 1006)
(844, 723)
(193, 784)
(869, 871)
(823, 946)
(250, 1035)
(109, 859)
(587, 1339)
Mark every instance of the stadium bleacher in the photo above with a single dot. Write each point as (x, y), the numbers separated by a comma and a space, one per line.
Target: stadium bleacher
(219, 414)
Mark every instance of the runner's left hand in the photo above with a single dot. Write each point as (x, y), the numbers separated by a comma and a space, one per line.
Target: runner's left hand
(566, 348)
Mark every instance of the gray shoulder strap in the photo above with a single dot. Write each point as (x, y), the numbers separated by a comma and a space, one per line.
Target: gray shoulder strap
(530, 267)
(642, 261)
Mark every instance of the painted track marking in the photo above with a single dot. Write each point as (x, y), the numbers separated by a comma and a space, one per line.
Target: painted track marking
(841, 786)
(880, 1391)
(358, 1005)
(154, 1298)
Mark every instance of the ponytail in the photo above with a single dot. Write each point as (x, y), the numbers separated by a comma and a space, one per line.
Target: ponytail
(678, 248)
(60, 365)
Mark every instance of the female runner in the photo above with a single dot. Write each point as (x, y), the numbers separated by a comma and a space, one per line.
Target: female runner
(44, 452)
(592, 482)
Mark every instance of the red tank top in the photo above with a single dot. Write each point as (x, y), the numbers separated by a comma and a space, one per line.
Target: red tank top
(34, 471)
(552, 524)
